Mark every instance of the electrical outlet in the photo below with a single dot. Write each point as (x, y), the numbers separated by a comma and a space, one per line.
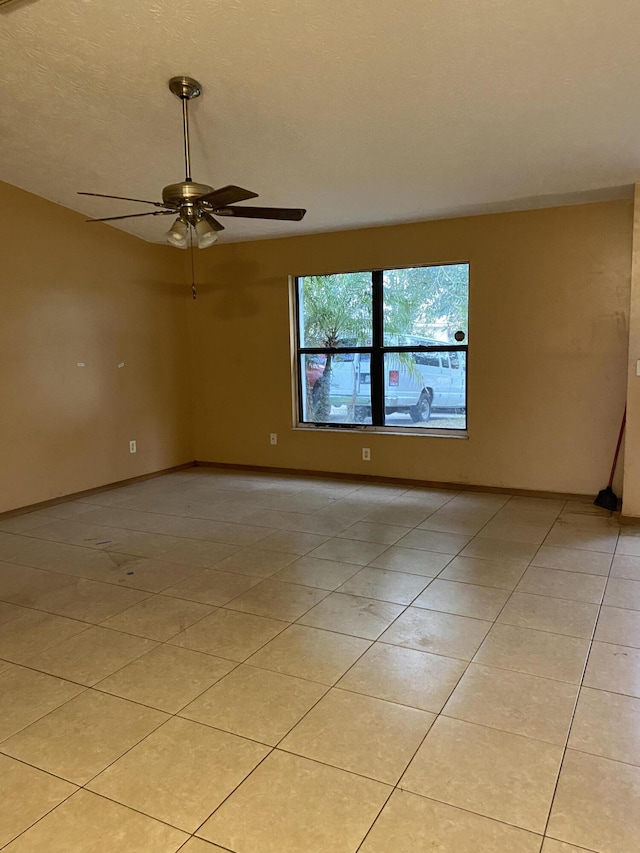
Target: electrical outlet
(273, 438)
(133, 447)
(366, 454)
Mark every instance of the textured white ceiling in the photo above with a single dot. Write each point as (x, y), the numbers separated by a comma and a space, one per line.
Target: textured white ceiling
(364, 112)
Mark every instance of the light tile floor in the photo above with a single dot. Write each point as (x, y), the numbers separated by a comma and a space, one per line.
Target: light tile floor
(231, 661)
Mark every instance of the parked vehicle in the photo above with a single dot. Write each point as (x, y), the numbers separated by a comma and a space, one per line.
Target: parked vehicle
(416, 383)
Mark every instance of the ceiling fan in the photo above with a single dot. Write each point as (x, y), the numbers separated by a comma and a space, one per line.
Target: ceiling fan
(195, 204)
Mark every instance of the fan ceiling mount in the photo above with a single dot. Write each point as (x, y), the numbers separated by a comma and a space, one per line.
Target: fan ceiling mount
(195, 204)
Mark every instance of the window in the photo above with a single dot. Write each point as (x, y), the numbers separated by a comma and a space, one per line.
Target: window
(386, 348)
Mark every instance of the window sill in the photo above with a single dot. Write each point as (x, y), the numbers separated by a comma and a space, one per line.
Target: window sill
(360, 429)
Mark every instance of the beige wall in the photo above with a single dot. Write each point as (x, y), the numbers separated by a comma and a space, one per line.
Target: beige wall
(548, 349)
(550, 296)
(72, 292)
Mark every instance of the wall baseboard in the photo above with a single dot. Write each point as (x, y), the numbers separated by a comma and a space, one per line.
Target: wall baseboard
(401, 481)
(74, 496)
(302, 472)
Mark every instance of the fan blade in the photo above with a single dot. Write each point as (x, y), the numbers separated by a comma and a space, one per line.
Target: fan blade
(294, 214)
(212, 222)
(134, 215)
(124, 198)
(226, 195)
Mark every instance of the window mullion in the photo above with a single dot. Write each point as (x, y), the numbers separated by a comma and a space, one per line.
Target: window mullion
(377, 356)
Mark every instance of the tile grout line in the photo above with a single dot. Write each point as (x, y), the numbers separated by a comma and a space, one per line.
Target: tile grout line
(397, 786)
(329, 630)
(580, 686)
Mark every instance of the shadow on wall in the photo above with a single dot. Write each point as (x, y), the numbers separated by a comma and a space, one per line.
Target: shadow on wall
(166, 288)
(14, 5)
(230, 289)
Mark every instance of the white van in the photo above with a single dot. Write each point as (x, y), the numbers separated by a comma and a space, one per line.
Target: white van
(416, 383)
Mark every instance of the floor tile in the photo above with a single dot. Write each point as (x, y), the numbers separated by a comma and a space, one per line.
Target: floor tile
(412, 561)
(589, 521)
(229, 634)
(361, 734)
(534, 652)
(561, 584)
(397, 587)
(567, 536)
(197, 845)
(596, 804)
(432, 540)
(197, 553)
(349, 551)
(499, 549)
(530, 533)
(628, 546)
(293, 805)
(278, 600)
(167, 678)
(310, 653)
(9, 611)
(482, 572)
(351, 614)
(158, 617)
(255, 563)
(363, 531)
(255, 703)
(86, 822)
(405, 676)
(626, 567)
(212, 587)
(607, 724)
(159, 777)
(569, 560)
(90, 601)
(66, 509)
(89, 657)
(552, 846)
(292, 542)
(32, 631)
(137, 572)
(23, 523)
(456, 521)
(614, 668)
(439, 633)
(78, 532)
(486, 771)
(409, 823)
(318, 523)
(622, 592)
(27, 695)
(463, 599)
(559, 616)
(619, 626)
(82, 737)
(397, 513)
(26, 795)
(322, 574)
(514, 702)
(585, 506)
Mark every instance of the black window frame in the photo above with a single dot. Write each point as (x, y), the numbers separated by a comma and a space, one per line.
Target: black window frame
(377, 352)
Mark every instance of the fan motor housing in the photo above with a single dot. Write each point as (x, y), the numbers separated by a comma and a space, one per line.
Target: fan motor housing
(176, 194)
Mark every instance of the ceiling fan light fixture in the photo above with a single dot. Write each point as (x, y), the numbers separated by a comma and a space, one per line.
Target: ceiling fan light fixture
(177, 234)
(207, 235)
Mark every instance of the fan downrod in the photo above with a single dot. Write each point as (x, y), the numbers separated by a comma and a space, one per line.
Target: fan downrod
(185, 88)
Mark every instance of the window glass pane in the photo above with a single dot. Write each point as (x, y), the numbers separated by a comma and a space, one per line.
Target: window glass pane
(336, 389)
(426, 305)
(420, 391)
(335, 310)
